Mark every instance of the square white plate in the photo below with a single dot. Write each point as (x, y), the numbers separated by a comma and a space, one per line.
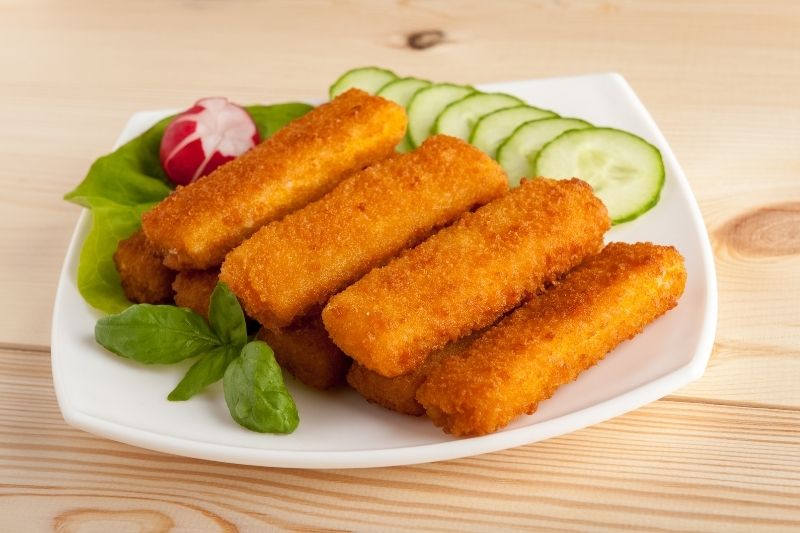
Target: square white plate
(121, 400)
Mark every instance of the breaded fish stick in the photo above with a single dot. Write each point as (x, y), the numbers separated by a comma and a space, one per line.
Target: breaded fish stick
(553, 338)
(291, 267)
(305, 350)
(143, 276)
(399, 393)
(193, 289)
(197, 225)
(467, 275)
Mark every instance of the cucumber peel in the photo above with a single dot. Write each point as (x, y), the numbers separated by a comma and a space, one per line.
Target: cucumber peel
(368, 79)
(492, 129)
(626, 172)
(459, 118)
(517, 154)
(401, 91)
(427, 104)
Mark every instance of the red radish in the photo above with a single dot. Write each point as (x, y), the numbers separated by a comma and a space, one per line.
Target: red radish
(200, 139)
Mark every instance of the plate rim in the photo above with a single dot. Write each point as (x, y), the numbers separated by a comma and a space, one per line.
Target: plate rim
(628, 401)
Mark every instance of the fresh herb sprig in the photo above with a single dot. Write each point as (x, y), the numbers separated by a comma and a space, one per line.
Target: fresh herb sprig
(164, 334)
(255, 393)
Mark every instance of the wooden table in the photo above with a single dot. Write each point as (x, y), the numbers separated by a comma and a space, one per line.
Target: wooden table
(721, 78)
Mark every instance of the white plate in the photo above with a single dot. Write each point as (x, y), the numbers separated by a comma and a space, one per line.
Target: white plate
(115, 398)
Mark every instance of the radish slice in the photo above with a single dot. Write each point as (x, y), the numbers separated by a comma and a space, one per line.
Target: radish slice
(200, 139)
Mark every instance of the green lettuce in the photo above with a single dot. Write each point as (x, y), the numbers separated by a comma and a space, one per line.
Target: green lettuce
(122, 185)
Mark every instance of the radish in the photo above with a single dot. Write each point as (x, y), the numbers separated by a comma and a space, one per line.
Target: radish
(200, 139)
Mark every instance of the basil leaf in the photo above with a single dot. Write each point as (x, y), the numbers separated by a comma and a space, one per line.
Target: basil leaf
(226, 316)
(120, 186)
(255, 393)
(207, 370)
(155, 334)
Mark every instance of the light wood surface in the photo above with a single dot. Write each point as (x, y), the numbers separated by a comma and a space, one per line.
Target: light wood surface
(721, 78)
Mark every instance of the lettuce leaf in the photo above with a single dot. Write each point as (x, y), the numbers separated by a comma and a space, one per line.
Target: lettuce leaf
(98, 279)
(271, 118)
(122, 185)
(131, 175)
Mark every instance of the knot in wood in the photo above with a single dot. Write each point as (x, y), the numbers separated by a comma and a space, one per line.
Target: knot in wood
(768, 231)
(421, 40)
(143, 520)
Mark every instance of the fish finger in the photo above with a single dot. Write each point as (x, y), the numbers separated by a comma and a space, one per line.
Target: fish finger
(307, 353)
(399, 393)
(193, 289)
(143, 277)
(194, 227)
(467, 275)
(550, 340)
(292, 267)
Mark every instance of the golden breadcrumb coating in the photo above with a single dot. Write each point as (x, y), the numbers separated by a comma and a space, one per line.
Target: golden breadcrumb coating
(546, 343)
(144, 278)
(291, 267)
(193, 289)
(467, 275)
(399, 393)
(194, 227)
(305, 350)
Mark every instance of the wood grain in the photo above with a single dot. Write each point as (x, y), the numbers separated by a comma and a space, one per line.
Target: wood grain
(721, 78)
(772, 230)
(86, 65)
(718, 467)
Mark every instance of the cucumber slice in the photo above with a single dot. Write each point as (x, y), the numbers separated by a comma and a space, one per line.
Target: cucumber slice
(426, 105)
(401, 91)
(369, 79)
(460, 117)
(625, 171)
(494, 128)
(404, 145)
(517, 154)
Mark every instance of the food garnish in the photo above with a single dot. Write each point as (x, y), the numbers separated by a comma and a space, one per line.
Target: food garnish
(459, 118)
(496, 127)
(518, 152)
(625, 171)
(401, 91)
(255, 393)
(212, 132)
(368, 79)
(427, 104)
(165, 334)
